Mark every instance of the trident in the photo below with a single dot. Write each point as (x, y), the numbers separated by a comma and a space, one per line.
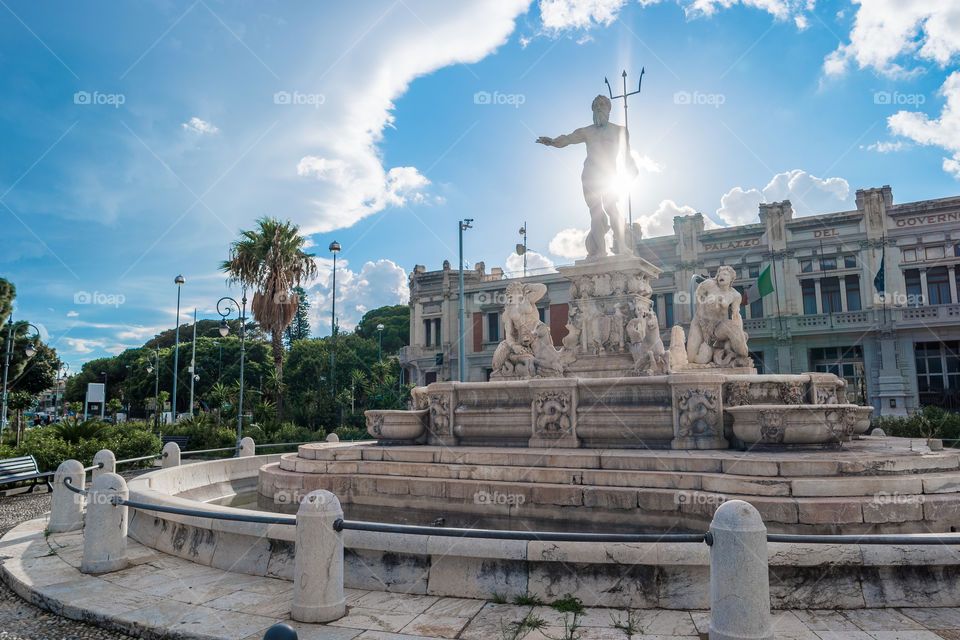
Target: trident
(626, 95)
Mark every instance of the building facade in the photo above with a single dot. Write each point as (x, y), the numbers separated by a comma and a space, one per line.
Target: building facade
(897, 347)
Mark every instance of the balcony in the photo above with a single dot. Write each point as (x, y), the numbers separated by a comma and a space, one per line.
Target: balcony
(925, 316)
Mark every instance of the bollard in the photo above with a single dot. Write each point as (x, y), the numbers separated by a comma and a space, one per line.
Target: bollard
(332, 437)
(109, 463)
(280, 631)
(171, 455)
(739, 583)
(318, 564)
(66, 507)
(248, 447)
(105, 536)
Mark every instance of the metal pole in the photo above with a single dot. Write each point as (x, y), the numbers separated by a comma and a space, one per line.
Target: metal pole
(243, 337)
(333, 330)
(524, 249)
(156, 387)
(461, 364)
(176, 353)
(6, 368)
(103, 405)
(193, 359)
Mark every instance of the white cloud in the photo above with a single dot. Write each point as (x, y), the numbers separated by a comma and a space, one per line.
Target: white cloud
(660, 222)
(72, 314)
(808, 194)
(569, 243)
(560, 15)
(377, 284)
(349, 163)
(199, 126)
(943, 132)
(885, 30)
(537, 264)
(881, 146)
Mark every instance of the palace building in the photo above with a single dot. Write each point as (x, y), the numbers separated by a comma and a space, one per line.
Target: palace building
(898, 350)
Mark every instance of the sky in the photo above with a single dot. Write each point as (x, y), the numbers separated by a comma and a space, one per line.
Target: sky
(139, 139)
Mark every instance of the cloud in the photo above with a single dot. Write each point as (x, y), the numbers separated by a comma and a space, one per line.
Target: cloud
(537, 264)
(569, 243)
(199, 126)
(942, 132)
(72, 314)
(808, 194)
(349, 164)
(885, 146)
(562, 15)
(885, 30)
(377, 284)
(660, 222)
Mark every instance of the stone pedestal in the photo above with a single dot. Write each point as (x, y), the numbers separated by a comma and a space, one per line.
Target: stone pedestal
(554, 413)
(605, 295)
(697, 411)
(442, 403)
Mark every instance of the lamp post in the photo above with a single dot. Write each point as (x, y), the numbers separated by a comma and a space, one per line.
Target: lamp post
(522, 248)
(156, 385)
(380, 328)
(56, 389)
(461, 365)
(179, 280)
(103, 405)
(334, 249)
(224, 330)
(193, 360)
(29, 352)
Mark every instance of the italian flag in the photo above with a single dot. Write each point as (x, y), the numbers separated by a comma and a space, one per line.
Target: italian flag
(760, 288)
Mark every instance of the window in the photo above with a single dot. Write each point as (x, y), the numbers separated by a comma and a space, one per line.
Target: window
(909, 255)
(830, 295)
(933, 253)
(754, 269)
(757, 357)
(542, 312)
(742, 307)
(436, 331)
(938, 286)
(938, 365)
(806, 266)
(850, 262)
(914, 287)
(668, 308)
(756, 308)
(493, 327)
(427, 325)
(809, 291)
(828, 264)
(956, 250)
(852, 283)
(846, 363)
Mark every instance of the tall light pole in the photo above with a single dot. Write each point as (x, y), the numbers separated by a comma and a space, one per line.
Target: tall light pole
(380, 328)
(626, 95)
(193, 360)
(56, 389)
(522, 248)
(334, 249)
(103, 405)
(156, 384)
(224, 330)
(176, 346)
(29, 352)
(461, 365)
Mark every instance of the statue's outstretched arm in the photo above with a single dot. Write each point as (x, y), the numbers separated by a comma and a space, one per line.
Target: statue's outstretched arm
(559, 142)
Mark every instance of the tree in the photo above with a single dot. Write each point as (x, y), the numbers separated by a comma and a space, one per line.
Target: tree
(7, 293)
(18, 402)
(271, 261)
(299, 329)
(396, 326)
(114, 405)
(217, 397)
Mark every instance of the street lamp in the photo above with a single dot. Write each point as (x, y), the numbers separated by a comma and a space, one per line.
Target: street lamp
(380, 329)
(224, 330)
(103, 405)
(334, 249)
(29, 351)
(156, 384)
(56, 388)
(179, 280)
(461, 365)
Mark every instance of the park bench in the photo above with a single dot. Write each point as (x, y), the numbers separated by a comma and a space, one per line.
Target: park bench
(22, 469)
(180, 440)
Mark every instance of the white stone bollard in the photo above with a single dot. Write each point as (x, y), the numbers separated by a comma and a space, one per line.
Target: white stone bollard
(105, 536)
(248, 447)
(66, 507)
(171, 457)
(109, 464)
(318, 566)
(739, 583)
(332, 437)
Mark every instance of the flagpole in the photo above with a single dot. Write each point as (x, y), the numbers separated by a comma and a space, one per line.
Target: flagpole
(776, 291)
(883, 268)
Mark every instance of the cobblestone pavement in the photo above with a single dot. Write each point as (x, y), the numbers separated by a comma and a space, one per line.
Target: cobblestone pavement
(22, 621)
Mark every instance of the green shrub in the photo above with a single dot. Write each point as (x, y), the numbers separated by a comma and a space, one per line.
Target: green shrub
(928, 422)
(75, 431)
(352, 433)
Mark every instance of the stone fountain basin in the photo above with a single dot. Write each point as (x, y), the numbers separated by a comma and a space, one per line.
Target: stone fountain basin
(397, 426)
(813, 424)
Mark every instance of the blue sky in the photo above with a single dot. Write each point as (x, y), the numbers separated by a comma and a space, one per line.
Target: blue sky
(140, 138)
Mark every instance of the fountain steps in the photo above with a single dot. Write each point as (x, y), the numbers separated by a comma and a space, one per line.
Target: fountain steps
(855, 492)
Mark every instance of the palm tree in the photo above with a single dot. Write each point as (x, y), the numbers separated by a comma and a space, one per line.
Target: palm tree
(272, 262)
(218, 396)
